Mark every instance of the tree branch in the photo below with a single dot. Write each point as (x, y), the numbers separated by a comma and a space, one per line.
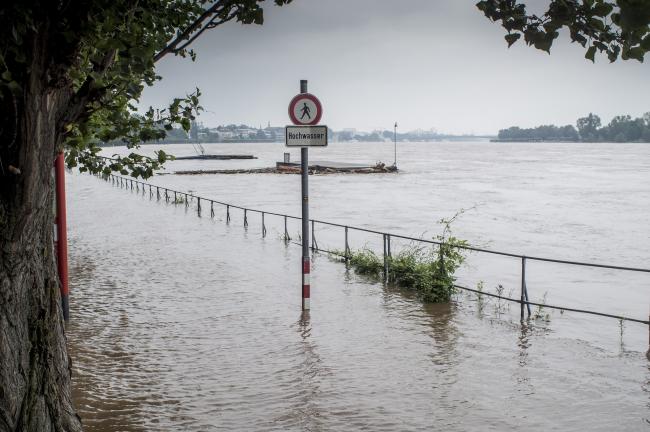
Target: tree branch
(87, 92)
(172, 47)
(211, 24)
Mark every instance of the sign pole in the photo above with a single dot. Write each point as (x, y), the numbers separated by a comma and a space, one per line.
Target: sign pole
(304, 170)
(395, 138)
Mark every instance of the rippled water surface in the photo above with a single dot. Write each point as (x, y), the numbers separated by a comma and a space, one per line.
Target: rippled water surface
(187, 323)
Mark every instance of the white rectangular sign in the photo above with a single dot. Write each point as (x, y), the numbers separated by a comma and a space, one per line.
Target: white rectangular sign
(305, 136)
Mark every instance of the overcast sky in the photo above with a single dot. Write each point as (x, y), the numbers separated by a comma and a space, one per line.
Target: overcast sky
(423, 63)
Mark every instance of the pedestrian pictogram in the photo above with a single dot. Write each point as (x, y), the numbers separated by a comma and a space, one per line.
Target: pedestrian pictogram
(305, 109)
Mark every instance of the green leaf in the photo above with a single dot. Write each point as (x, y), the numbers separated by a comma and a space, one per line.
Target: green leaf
(512, 38)
(645, 43)
(185, 124)
(602, 9)
(597, 24)
(591, 52)
(636, 53)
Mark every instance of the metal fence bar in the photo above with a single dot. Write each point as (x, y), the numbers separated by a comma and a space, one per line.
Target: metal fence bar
(470, 248)
(523, 300)
(555, 307)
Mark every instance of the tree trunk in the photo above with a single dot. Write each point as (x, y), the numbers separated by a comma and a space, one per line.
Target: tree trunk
(34, 364)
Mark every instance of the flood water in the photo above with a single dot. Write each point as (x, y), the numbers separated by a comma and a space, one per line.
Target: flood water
(187, 323)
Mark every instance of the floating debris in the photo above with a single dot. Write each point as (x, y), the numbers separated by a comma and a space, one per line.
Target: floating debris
(283, 168)
(215, 157)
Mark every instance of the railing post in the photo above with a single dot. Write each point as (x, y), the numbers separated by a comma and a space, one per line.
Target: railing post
(198, 206)
(347, 246)
(522, 302)
(245, 218)
(187, 203)
(286, 232)
(527, 299)
(212, 209)
(263, 226)
(166, 195)
(385, 258)
(227, 214)
(157, 193)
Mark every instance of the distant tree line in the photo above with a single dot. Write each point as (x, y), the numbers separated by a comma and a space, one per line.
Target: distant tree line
(622, 128)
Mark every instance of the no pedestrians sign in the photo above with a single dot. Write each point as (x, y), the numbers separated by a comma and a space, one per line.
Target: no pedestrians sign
(305, 110)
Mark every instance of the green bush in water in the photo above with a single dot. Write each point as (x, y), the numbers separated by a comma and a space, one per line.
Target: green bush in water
(366, 262)
(427, 271)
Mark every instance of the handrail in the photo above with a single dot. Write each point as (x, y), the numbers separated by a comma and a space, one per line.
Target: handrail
(405, 237)
(387, 236)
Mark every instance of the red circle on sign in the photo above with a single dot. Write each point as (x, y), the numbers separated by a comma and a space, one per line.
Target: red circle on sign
(313, 118)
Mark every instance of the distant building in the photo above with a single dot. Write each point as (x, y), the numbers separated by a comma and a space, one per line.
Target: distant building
(274, 132)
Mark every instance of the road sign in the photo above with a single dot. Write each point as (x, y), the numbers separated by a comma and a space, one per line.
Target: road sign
(305, 109)
(305, 136)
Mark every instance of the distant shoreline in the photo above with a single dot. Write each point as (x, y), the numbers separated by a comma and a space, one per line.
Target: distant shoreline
(484, 140)
(526, 141)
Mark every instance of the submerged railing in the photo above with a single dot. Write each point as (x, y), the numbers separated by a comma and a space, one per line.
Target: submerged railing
(161, 192)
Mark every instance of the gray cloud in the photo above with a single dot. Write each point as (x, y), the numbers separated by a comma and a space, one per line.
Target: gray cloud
(424, 63)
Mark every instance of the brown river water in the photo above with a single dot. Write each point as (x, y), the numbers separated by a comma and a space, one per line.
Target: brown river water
(181, 323)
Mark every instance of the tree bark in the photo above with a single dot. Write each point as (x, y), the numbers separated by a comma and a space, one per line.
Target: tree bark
(34, 365)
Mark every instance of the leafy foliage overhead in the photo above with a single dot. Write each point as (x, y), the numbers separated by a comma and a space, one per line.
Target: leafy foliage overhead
(612, 27)
(95, 57)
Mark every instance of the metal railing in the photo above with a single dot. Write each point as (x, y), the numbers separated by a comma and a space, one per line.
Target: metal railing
(523, 299)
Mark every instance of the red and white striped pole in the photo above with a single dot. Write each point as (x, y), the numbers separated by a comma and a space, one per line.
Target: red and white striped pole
(60, 232)
(304, 167)
(305, 283)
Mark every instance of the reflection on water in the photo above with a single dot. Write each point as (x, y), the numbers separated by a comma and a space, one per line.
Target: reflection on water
(180, 323)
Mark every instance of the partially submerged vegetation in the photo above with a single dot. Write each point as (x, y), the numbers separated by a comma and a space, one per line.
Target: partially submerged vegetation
(429, 271)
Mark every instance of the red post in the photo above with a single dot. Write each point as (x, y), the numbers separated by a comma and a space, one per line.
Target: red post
(305, 283)
(61, 233)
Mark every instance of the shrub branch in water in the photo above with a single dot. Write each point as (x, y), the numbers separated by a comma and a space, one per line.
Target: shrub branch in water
(428, 271)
